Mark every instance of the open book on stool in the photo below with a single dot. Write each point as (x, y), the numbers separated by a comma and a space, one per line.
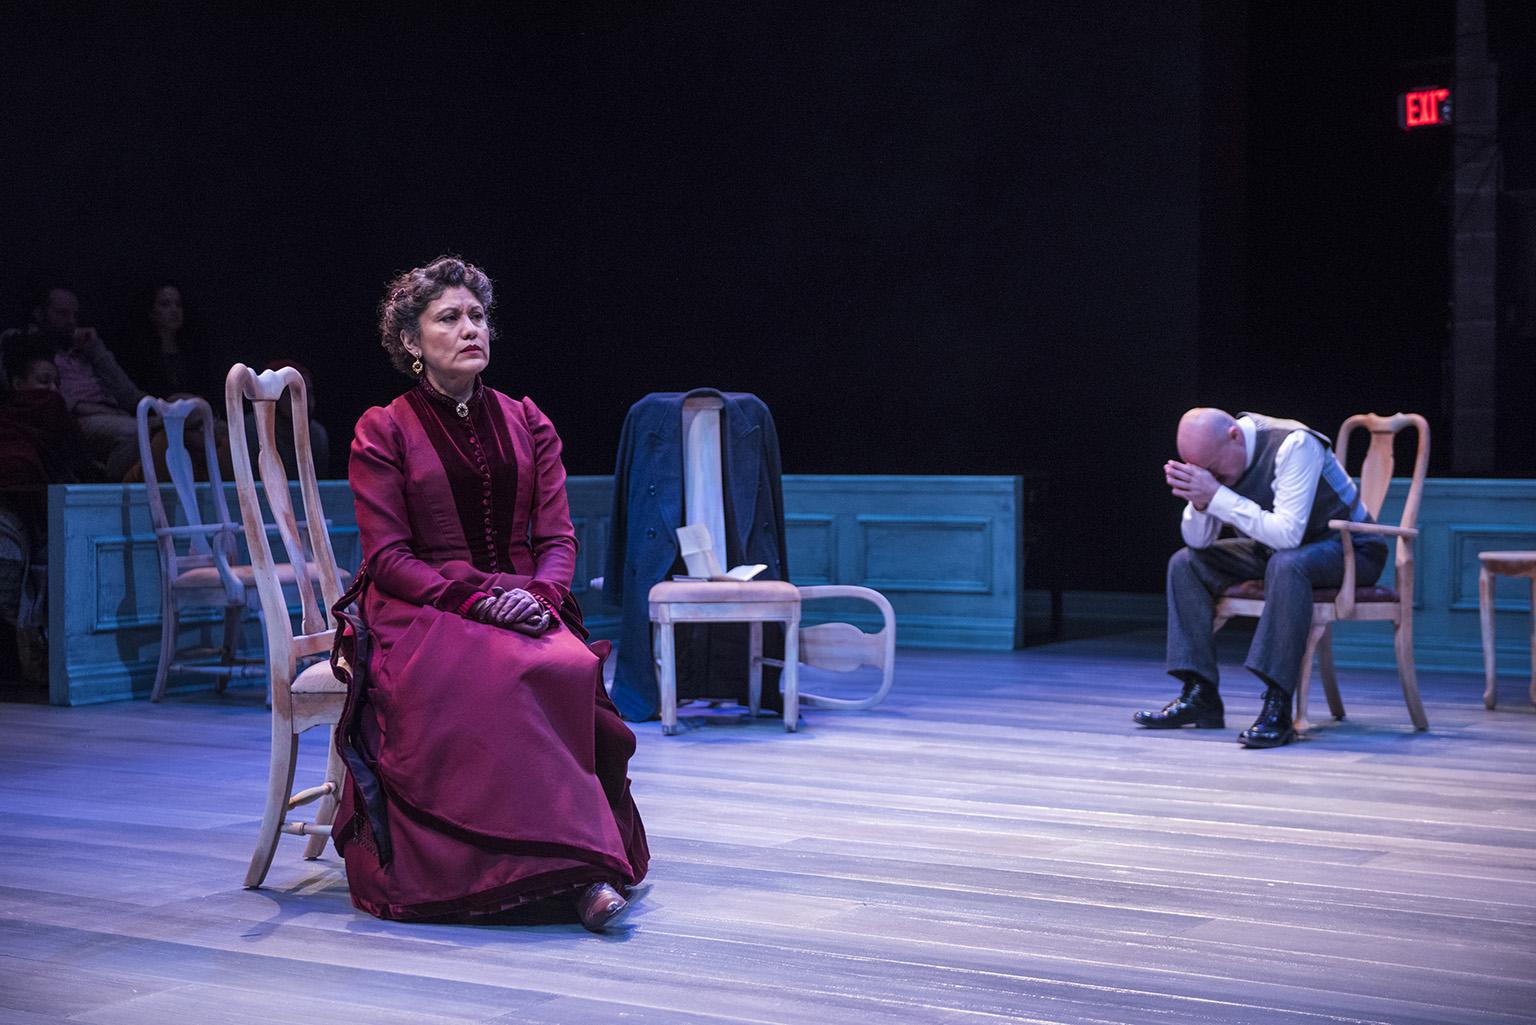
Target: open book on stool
(699, 556)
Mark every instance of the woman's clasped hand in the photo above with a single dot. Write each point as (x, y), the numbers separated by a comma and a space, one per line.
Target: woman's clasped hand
(513, 609)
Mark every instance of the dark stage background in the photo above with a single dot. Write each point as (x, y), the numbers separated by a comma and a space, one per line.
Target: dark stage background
(936, 238)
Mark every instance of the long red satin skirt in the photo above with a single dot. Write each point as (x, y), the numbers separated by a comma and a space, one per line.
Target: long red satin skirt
(503, 765)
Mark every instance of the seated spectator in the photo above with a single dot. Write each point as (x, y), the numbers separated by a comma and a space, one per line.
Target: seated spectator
(96, 391)
(23, 600)
(319, 439)
(29, 366)
(39, 445)
(164, 354)
(39, 441)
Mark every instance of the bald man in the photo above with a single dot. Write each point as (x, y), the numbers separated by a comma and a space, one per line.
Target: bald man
(1276, 483)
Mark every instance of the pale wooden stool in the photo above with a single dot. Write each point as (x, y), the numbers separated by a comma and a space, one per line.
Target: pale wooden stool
(1504, 564)
(719, 601)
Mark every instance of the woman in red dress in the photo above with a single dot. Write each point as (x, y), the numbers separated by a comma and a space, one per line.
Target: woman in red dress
(498, 763)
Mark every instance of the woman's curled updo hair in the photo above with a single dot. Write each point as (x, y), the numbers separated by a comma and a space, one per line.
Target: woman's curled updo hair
(412, 292)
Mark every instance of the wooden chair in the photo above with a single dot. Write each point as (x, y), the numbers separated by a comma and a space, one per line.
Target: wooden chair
(843, 647)
(1502, 564)
(207, 574)
(838, 647)
(719, 601)
(314, 696)
(1381, 604)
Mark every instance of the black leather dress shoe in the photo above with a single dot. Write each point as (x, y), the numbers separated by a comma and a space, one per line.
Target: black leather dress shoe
(1273, 727)
(599, 906)
(1198, 705)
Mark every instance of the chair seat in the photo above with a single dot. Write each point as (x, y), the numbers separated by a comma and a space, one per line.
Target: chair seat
(1509, 564)
(208, 576)
(728, 601)
(318, 679)
(1253, 590)
(705, 591)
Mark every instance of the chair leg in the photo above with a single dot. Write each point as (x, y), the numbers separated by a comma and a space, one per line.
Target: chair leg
(790, 677)
(666, 676)
(285, 746)
(1407, 674)
(1485, 620)
(325, 811)
(168, 625)
(755, 669)
(234, 615)
(266, 654)
(1304, 683)
(1533, 640)
(1330, 678)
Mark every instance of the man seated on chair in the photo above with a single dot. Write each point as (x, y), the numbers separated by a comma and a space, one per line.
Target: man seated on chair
(1276, 483)
(97, 392)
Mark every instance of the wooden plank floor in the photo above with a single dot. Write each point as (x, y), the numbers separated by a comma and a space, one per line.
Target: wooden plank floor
(997, 843)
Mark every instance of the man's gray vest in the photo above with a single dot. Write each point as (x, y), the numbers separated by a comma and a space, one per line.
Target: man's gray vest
(1337, 497)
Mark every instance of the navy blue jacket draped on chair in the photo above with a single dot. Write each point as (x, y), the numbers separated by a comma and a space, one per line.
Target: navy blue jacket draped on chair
(642, 544)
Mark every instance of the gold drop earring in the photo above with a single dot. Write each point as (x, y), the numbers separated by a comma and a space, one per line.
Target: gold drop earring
(416, 366)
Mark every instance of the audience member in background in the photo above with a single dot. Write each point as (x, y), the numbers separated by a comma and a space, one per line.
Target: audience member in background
(29, 366)
(39, 441)
(319, 438)
(164, 354)
(23, 654)
(96, 391)
(169, 360)
(39, 445)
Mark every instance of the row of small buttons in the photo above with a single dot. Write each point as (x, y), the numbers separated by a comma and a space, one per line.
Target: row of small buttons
(485, 495)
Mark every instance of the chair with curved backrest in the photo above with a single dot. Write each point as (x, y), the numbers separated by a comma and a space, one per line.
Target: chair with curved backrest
(207, 574)
(843, 647)
(839, 647)
(1381, 604)
(314, 696)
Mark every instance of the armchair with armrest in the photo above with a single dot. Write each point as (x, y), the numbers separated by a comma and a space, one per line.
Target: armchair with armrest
(1348, 602)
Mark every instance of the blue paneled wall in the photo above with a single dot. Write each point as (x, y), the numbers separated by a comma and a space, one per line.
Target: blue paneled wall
(1458, 519)
(946, 550)
(104, 589)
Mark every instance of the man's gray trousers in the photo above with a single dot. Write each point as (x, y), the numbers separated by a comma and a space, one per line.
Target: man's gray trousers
(1197, 577)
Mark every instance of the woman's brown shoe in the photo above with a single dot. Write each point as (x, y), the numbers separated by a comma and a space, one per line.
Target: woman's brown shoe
(599, 906)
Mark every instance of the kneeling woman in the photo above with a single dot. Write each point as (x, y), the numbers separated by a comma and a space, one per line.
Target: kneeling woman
(489, 766)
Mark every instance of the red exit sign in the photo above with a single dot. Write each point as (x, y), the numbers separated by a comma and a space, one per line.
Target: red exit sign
(1421, 108)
